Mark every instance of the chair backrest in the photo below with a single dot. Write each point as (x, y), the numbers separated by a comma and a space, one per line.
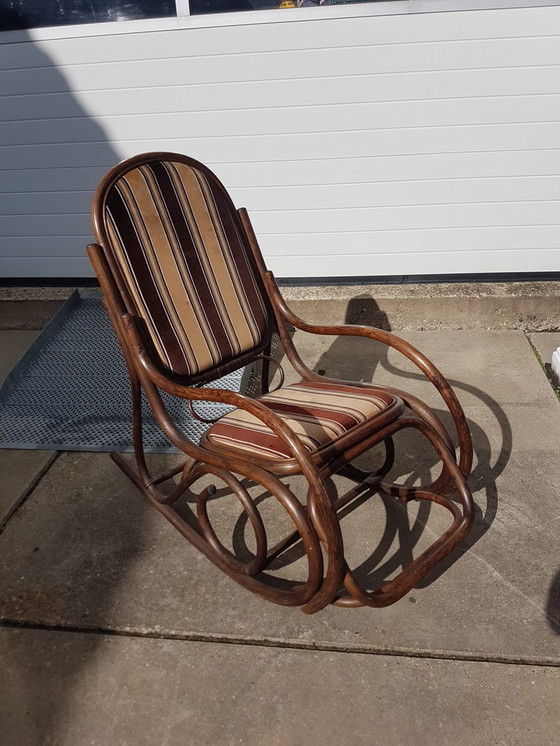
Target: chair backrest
(174, 240)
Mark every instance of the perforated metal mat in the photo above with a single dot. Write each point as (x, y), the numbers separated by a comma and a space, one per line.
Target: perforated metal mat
(71, 391)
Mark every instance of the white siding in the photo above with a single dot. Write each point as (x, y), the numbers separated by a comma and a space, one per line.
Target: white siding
(384, 145)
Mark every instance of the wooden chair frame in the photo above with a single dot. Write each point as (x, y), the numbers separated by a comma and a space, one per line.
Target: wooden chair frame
(315, 519)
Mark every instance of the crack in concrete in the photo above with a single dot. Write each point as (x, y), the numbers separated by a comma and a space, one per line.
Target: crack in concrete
(272, 642)
(28, 492)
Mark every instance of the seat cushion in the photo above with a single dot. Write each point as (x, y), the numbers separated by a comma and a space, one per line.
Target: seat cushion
(318, 412)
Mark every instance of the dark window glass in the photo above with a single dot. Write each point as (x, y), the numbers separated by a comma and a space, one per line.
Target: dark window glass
(198, 7)
(223, 6)
(21, 14)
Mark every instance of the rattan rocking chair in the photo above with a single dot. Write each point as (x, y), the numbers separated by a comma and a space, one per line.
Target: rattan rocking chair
(190, 298)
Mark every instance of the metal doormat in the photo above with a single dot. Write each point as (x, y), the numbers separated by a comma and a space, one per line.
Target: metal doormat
(71, 392)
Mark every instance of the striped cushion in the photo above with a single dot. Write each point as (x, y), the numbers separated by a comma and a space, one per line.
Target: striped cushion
(318, 412)
(190, 275)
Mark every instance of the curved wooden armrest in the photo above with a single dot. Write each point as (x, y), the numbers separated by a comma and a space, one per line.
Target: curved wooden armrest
(405, 348)
(133, 330)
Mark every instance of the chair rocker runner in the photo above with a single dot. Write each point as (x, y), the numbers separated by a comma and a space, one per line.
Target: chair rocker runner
(190, 298)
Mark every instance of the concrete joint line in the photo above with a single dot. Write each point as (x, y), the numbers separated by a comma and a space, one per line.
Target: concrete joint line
(19, 504)
(548, 370)
(288, 644)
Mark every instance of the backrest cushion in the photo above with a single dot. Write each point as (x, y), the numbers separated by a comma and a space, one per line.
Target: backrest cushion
(176, 240)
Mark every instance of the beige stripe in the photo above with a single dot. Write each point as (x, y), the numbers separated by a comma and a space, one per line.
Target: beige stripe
(216, 254)
(204, 231)
(307, 424)
(170, 271)
(133, 285)
(240, 297)
(194, 230)
(335, 402)
(174, 281)
(319, 431)
(340, 389)
(188, 285)
(252, 448)
(138, 213)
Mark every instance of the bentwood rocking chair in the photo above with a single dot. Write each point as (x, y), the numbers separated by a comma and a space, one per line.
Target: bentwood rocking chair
(191, 300)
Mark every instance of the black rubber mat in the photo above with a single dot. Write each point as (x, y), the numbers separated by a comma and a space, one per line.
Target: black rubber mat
(71, 390)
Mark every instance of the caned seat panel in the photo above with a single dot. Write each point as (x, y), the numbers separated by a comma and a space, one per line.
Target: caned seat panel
(176, 241)
(319, 412)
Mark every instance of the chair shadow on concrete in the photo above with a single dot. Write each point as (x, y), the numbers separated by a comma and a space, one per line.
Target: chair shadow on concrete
(338, 361)
(553, 605)
(490, 459)
(53, 576)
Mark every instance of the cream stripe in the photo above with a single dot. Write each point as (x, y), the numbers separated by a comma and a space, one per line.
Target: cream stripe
(134, 286)
(138, 216)
(339, 390)
(345, 404)
(159, 258)
(261, 449)
(307, 424)
(239, 296)
(176, 283)
(170, 271)
(316, 435)
(336, 399)
(258, 293)
(189, 285)
(315, 430)
(197, 212)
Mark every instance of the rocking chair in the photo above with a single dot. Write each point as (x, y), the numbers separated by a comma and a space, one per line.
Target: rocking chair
(190, 298)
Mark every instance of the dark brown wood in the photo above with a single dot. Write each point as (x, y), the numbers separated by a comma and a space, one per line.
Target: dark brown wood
(316, 517)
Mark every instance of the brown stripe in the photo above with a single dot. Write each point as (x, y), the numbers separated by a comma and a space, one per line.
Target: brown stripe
(200, 293)
(190, 275)
(318, 413)
(132, 258)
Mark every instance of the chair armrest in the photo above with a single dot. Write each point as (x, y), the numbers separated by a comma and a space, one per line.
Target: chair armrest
(420, 360)
(146, 368)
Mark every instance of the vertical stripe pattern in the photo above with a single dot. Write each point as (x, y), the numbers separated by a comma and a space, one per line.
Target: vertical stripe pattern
(318, 411)
(191, 277)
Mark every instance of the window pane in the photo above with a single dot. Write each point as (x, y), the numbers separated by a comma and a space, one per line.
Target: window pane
(20, 14)
(223, 6)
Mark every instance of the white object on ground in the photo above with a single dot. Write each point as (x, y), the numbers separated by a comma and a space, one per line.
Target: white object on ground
(556, 365)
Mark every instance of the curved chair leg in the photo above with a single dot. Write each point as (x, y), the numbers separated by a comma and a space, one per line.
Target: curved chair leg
(394, 589)
(251, 575)
(358, 475)
(422, 410)
(312, 525)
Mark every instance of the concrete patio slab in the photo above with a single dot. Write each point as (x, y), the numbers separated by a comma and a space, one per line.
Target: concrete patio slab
(13, 345)
(546, 343)
(124, 568)
(20, 470)
(27, 314)
(75, 688)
